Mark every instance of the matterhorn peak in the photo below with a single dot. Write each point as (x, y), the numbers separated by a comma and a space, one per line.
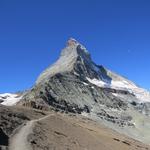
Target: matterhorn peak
(74, 45)
(72, 41)
(72, 57)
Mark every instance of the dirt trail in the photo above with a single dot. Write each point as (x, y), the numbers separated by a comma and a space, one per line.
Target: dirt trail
(19, 140)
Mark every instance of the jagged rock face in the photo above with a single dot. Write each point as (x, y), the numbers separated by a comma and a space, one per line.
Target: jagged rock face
(68, 92)
(64, 85)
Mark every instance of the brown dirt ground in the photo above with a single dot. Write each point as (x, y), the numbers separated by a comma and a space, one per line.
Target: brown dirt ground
(64, 132)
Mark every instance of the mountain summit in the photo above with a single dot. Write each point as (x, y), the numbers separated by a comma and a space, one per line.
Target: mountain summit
(76, 59)
(73, 57)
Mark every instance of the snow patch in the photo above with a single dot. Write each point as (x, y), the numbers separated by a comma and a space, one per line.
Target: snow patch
(141, 94)
(98, 82)
(9, 99)
(115, 94)
(85, 83)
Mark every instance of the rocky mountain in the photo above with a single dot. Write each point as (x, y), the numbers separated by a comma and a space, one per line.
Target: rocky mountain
(75, 84)
(65, 85)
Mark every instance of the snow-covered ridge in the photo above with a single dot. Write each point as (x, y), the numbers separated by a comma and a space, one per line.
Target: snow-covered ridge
(141, 94)
(9, 99)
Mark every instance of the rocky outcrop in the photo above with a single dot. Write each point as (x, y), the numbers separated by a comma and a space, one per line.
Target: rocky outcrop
(143, 108)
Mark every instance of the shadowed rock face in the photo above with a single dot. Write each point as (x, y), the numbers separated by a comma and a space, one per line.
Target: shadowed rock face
(3, 138)
(1, 101)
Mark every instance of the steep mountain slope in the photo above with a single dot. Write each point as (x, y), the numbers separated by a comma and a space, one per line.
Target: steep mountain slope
(76, 84)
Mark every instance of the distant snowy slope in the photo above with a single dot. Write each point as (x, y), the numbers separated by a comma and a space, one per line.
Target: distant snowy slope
(9, 99)
(141, 94)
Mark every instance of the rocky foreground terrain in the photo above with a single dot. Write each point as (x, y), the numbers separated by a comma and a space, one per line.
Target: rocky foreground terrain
(59, 131)
(76, 104)
(12, 118)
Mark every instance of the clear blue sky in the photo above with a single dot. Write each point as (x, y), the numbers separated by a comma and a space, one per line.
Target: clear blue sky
(32, 33)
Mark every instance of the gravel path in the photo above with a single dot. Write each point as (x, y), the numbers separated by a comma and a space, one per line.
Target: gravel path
(19, 140)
